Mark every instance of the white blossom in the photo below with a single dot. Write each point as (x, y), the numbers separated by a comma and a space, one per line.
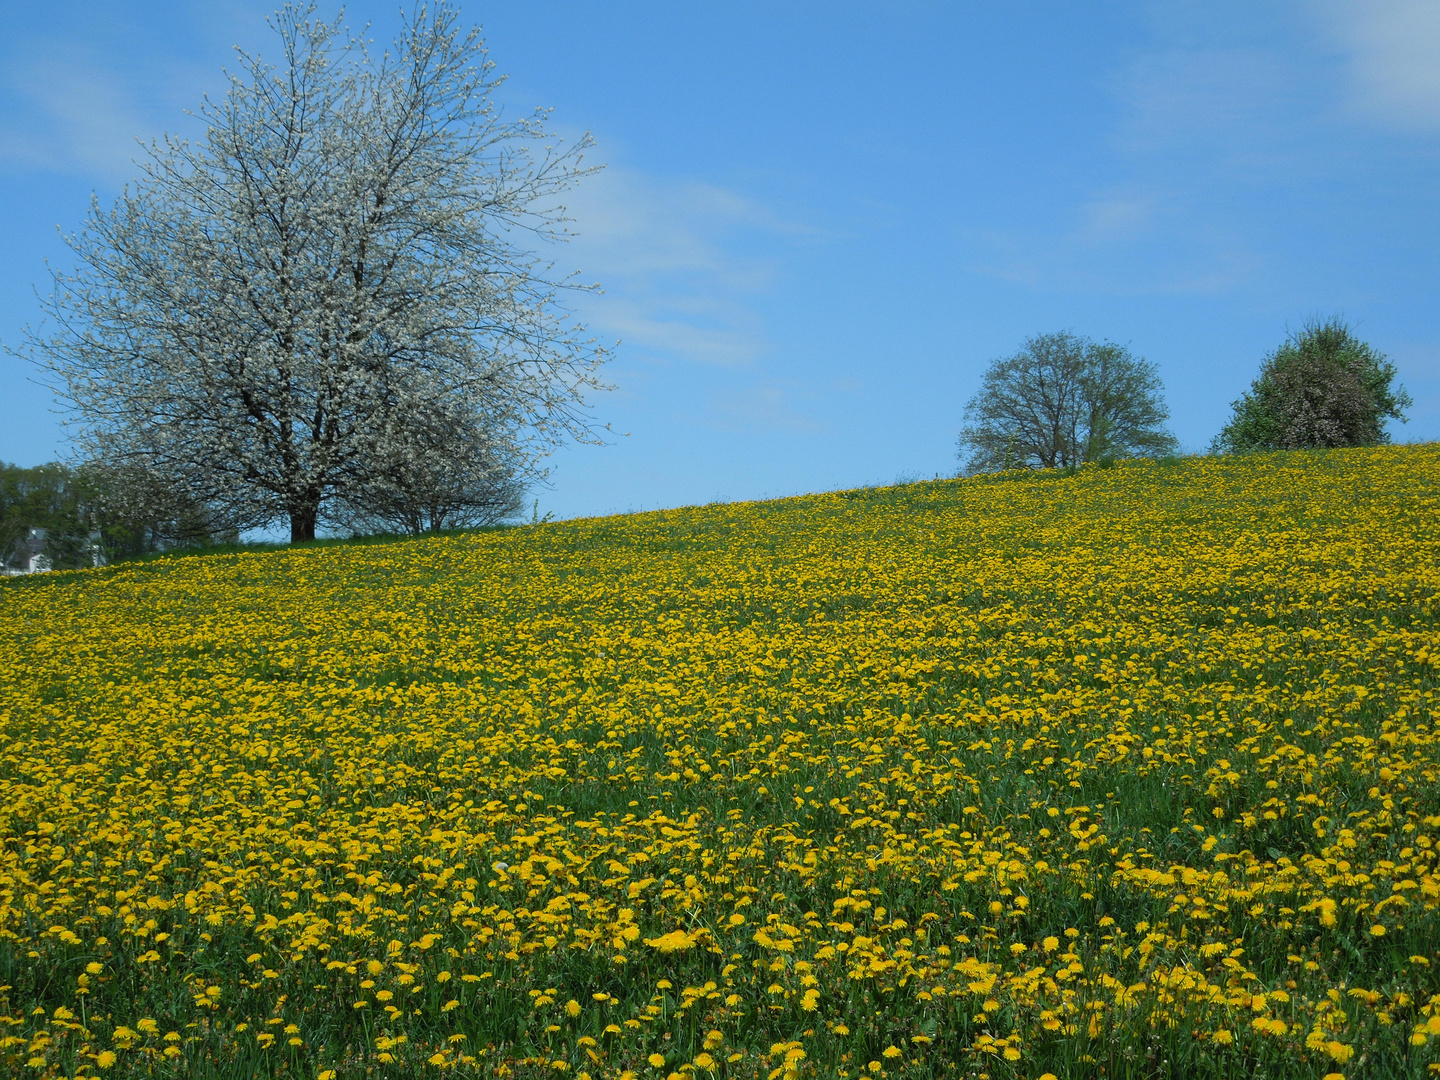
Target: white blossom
(333, 299)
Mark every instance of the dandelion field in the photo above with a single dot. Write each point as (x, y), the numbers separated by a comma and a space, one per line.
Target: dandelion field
(1130, 773)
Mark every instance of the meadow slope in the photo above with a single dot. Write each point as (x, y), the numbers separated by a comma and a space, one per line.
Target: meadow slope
(1129, 773)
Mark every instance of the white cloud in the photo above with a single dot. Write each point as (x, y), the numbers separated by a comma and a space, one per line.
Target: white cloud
(684, 266)
(676, 286)
(677, 327)
(1392, 49)
(646, 225)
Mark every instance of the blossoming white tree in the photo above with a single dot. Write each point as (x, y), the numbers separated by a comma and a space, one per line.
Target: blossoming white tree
(333, 299)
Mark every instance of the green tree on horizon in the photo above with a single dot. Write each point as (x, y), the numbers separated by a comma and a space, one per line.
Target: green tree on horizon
(1062, 401)
(132, 513)
(1323, 387)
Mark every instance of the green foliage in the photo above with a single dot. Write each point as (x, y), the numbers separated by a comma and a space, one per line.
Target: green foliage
(132, 513)
(49, 497)
(1063, 401)
(1323, 388)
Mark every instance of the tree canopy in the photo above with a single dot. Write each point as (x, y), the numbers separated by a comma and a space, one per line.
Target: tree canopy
(1323, 387)
(276, 319)
(1063, 400)
(131, 514)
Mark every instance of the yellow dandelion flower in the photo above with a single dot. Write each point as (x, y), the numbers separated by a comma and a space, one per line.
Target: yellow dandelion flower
(1339, 1052)
(675, 941)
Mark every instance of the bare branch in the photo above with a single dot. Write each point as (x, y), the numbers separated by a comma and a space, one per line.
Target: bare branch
(1063, 401)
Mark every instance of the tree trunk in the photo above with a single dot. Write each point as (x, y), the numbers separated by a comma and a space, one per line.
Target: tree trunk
(302, 522)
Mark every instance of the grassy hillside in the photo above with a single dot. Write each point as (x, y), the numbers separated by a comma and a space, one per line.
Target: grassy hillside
(1129, 773)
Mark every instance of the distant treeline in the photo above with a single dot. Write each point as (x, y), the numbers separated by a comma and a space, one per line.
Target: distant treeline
(132, 514)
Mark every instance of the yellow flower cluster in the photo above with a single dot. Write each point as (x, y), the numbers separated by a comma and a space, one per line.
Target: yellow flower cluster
(1119, 773)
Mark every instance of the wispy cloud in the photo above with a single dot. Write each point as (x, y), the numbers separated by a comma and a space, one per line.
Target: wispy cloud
(687, 268)
(1392, 51)
(680, 262)
(1240, 110)
(1217, 104)
(710, 331)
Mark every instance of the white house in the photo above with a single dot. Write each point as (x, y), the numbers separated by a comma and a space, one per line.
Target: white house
(30, 557)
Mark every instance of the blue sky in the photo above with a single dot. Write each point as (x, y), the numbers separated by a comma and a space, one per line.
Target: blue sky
(820, 221)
